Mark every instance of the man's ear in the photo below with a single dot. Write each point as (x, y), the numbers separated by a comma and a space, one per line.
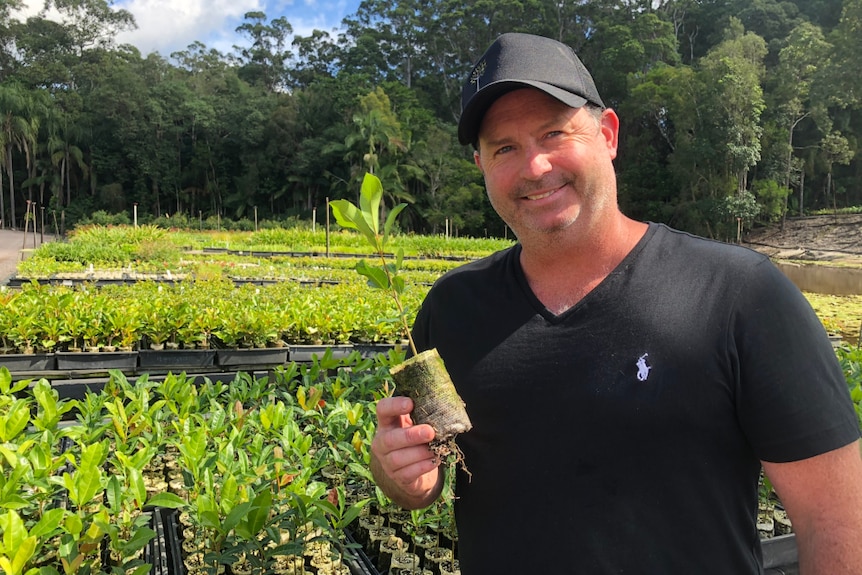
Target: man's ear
(610, 128)
(478, 161)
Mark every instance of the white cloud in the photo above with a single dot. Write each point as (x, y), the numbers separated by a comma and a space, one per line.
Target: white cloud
(167, 26)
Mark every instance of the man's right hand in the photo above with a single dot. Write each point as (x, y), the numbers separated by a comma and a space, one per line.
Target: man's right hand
(402, 465)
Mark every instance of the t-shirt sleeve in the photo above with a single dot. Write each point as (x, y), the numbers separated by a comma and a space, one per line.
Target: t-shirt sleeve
(792, 398)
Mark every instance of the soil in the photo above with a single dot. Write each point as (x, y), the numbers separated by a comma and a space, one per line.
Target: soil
(834, 240)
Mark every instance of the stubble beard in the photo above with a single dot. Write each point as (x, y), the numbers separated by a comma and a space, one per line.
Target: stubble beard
(523, 224)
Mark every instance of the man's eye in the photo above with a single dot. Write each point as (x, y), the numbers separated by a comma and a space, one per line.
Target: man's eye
(553, 133)
(503, 150)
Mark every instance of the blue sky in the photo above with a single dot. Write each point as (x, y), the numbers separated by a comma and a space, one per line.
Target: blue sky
(166, 26)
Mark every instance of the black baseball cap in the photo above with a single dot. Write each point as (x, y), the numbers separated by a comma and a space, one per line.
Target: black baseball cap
(515, 61)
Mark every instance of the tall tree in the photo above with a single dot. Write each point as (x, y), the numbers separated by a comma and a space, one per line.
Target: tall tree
(799, 64)
(19, 127)
(263, 61)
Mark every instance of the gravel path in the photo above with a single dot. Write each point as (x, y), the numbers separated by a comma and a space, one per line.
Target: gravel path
(11, 244)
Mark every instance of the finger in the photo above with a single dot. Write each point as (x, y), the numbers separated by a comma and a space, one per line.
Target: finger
(412, 475)
(393, 411)
(409, 463)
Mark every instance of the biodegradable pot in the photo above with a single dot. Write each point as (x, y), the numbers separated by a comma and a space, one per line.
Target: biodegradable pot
(452, 567)
(388, 548)
(434, 556)
(415, 571)
(424, 379)
(287, 564)
(404, 560)
(782, 521)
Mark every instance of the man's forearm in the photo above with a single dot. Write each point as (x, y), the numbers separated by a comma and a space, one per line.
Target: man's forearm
(830, 552)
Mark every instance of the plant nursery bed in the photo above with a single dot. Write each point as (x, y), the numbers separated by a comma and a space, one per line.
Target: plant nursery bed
(305, 353)
(173, 554)
(252, 356)
(26, 362)
(100, 360)
(183, 358)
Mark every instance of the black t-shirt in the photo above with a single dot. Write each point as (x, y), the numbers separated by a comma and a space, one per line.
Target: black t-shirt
(625, 435)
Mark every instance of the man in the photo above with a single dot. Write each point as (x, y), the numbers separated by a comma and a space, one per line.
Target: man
(625, 381)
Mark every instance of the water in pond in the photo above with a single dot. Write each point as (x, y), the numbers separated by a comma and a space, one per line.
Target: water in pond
(823, 279)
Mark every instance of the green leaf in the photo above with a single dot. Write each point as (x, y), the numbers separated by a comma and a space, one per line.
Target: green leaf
(369, 200)
(376, 276)
(326, 506)
(49, 522)
(348, 216)
(137, 487)
(44, 394)
(87, 482)
(114, 493)
(15, 420)
(235, 516)
(139, 540)
(7, 386)
(164, 499)
(351, 513)
(73, 524)
(14, 531)
(23, 554)
(256, 519)
(390, 221)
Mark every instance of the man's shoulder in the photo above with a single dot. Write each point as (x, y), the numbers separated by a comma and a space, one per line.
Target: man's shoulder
(498, 263)
(668, 241)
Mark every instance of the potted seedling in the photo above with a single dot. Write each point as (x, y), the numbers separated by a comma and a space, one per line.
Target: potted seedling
(422, 377)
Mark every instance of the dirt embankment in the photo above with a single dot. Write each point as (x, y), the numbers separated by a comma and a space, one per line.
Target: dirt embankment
(833, 239)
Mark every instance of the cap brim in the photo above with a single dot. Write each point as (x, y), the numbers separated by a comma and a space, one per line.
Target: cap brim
(474, 112)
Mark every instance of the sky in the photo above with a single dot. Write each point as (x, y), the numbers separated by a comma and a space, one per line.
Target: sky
(166, 26)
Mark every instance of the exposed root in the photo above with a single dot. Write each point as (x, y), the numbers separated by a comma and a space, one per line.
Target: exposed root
(444, 448)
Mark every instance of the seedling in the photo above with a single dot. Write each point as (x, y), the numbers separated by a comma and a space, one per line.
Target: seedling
(423, 377)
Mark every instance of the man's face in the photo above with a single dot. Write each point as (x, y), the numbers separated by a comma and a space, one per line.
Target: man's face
(546, 165)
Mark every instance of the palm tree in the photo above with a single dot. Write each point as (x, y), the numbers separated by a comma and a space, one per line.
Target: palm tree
(19, 127)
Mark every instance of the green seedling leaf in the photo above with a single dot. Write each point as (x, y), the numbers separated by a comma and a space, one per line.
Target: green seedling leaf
(15, 420)
(348, 216)
(376, 276)
(49, 523)
(139, 570)
(165, 499)
(7, 387)
(390, 221)
(73, 524)
(114, 493)
(235, 516)
(351, 513)
(257, 518)
(22, 554)
(139, 540)
(10, 456)
(137, 487)
(14, 531)
(369, 200)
